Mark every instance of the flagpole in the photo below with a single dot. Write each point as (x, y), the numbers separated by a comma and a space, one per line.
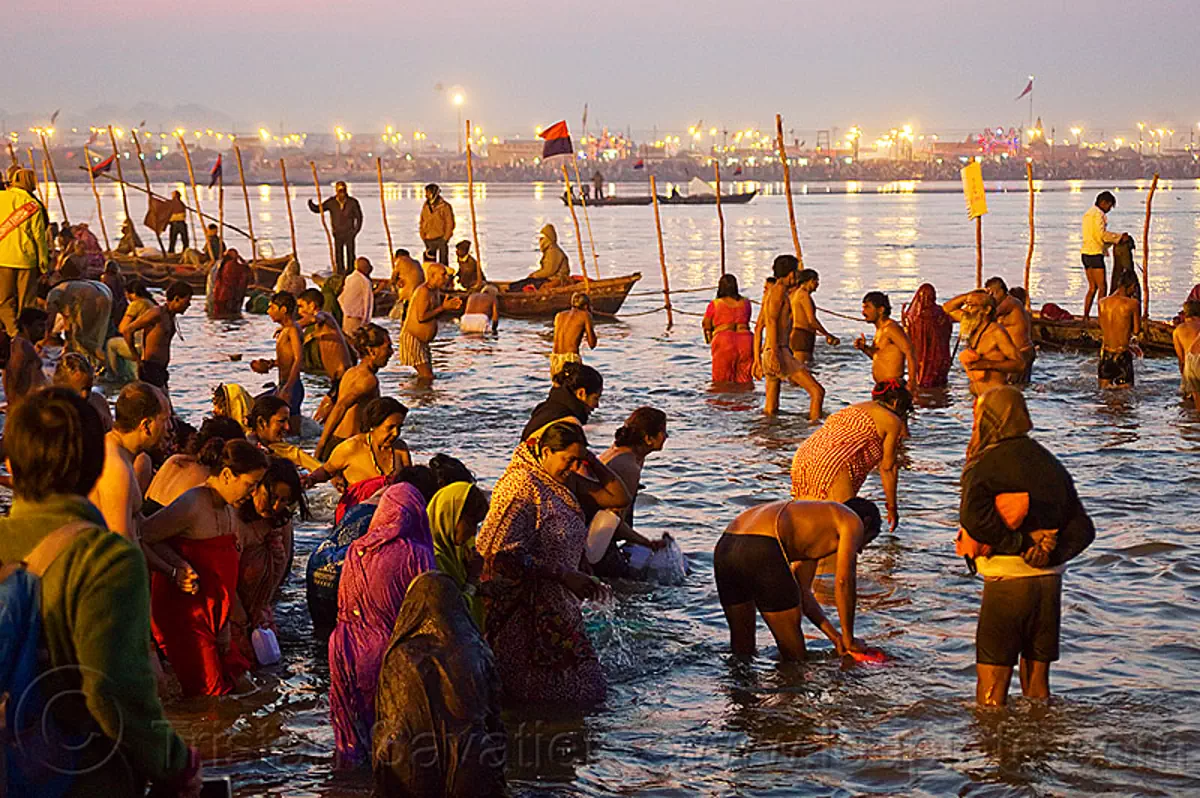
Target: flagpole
(662, 255)
(186, 207)
(120, 175)
(220, 253)
(12, 155)
(324, 224)
(37, 183)
(62, 203)
(383, 205)
(87, 156)
(587, 287)
(1146, 250)
(1029, 254)
(146, 176)
(787, 186)
(720, 213)
(187, 156)
(246, 196)
(287, 196)
(586, 219)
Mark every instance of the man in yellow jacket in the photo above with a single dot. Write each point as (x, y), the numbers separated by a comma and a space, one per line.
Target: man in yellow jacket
(437, 224)
(24, 246)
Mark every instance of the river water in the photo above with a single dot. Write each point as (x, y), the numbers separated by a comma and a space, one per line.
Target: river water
(682, 717)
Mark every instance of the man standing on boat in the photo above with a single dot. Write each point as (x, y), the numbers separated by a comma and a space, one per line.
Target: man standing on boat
(1096, 241)
(345, 217)
(176, 212)
(437, 224)
(597, 185)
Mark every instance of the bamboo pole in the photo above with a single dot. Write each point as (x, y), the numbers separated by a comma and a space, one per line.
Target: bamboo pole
(787, 186)
(146, 176)
(187, 207)
(46, 187)
(325, 224)
(246, 196)
(1029, 254)
(187, 156)
(220, 253)
(87, 156)
(62, 203)
(471, 202)
(978, 252)
(662, 256)
(287, 198)
(38, 183)
(12, 155)
(1146, 250)
(587, 220)
(120, 173)
(720, 213)
(387, 230)
(587, 286)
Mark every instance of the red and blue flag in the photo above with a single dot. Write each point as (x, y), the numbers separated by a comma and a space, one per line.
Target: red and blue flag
(639, 164)
(215, 173)
(557, 140)
(103, 166)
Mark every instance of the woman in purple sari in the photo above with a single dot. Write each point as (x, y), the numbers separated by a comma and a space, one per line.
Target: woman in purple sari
(379, 567)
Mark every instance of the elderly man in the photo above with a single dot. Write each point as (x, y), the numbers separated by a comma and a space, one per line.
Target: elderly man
(990, 354)
(357, 299)
(436, 224)
(428, 305)
(345, 219)
(24, 247)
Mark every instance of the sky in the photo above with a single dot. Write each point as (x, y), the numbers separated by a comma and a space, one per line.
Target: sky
(362, 64)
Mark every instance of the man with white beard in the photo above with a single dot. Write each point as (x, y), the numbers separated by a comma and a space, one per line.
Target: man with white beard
(990, 354)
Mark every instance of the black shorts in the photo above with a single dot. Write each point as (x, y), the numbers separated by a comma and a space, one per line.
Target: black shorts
(1115, 368)
(752, 568)
(154, 373)
(1092, 261)
(1019, 617)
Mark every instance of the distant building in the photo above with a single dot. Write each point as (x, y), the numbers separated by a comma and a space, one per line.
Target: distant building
(515, 152)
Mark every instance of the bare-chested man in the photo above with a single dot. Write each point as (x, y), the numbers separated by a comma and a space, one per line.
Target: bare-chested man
(332, 349)
(890, 350)
(1120, 323)
(1185, 336)
(1012, 315)
(421, 323)
(772, 357)
(359, 386)
(766, 561)
(141, 421)
(571, 327)
(158, 322)
(805, 325)
(407, 276)
(289, 356)
(481, 311)
(990, 354)
(23, 375)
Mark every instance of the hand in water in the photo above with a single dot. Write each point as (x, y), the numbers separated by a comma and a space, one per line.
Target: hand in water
(855, 646)
(832, 340)
(661, 543)
(893, 514)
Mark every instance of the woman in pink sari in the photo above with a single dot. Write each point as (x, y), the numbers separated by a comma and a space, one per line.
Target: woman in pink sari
(928, 328)
(379, 567)
(727, 329)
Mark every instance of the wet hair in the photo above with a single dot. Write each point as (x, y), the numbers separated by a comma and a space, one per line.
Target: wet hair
(137, 287)
(369, 336)
(280, 471)
(447, 470)
(806, 275)
(264, 408)
(1191, 309)
(1105, 196)
(992, 281)
(31, 316)
(868, 513)
(727, 286)
(893, 392)
(574, 376)
(378, 410)
(580, 300)
(643, 423)
(1018, 293)
(54, 442)
(183, 435)
(74, 363)
(178, 290)
(285, 300)
(241, 457)
(312, 296)
(879, 300)
(137, 402)
(401, 253)
(421, 478)
(561, 435)
(784, 265)
(210, 441)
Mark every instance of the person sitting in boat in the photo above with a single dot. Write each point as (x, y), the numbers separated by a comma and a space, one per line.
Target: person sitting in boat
(554, 269)
(470, 276)
(213, 246)
(130, 242)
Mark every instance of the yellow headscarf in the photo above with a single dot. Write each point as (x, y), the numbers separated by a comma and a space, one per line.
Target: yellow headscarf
(445, 509)
(239, 402)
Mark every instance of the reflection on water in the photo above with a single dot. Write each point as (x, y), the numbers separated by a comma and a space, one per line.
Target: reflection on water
(682, 717)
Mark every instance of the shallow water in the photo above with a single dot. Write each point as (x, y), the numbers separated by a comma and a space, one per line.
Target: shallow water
(682, 716)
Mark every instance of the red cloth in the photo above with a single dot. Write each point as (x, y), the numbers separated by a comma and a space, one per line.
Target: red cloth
(1194, 296)
(732, 350)
(229, 288)
(928, 328)
(1053, 312)
(187, 626)
(358, 493)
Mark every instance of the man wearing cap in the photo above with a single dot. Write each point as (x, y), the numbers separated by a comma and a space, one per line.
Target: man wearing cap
(345, 219)
(24, 246)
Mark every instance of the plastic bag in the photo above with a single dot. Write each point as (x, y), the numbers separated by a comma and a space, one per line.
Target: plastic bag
(667, 566)
(266, 646)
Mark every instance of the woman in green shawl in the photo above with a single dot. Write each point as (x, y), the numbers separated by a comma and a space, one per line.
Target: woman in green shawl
(455, 513)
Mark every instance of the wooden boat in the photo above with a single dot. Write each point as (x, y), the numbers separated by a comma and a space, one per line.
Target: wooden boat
(161, 272)
(610, 202)
(607, 297)
(1074, 335)
(707, 199)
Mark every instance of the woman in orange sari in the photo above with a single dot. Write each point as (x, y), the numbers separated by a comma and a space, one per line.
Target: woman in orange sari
(928, 327)
(727, 329)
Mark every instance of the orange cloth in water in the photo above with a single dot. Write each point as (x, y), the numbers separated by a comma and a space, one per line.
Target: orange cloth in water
(1013, 507)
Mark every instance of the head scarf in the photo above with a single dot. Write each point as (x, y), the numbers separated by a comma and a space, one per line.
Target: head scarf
(929, 328)
(239, 401)
(1000, 415)
(445, 510)
(24, 178)
(399, 516)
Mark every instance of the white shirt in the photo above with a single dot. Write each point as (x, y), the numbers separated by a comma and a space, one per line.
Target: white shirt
(1096, 238)
(358, 297)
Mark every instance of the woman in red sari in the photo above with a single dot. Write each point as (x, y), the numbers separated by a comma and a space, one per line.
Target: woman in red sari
(201, 527)
(727, 329)
(928, 328)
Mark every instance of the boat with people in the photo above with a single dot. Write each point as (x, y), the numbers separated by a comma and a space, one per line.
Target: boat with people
(707, 199)
(1076, 335)
(161, 271)
(609, 202)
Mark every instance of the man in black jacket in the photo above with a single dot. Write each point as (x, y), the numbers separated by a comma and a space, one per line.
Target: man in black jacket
(345, 218)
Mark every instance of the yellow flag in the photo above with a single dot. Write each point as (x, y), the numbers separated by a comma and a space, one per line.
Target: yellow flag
(972, 179)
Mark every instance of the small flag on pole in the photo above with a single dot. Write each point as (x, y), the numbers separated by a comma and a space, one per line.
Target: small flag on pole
(1028, 90)
(215, 173)
(558, 140)
(103, 166)
(737, 171)
(639, 164)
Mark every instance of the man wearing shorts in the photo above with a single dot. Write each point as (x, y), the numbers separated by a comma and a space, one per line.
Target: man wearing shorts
(773, 358)
(1096, 241)
(767, 558)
